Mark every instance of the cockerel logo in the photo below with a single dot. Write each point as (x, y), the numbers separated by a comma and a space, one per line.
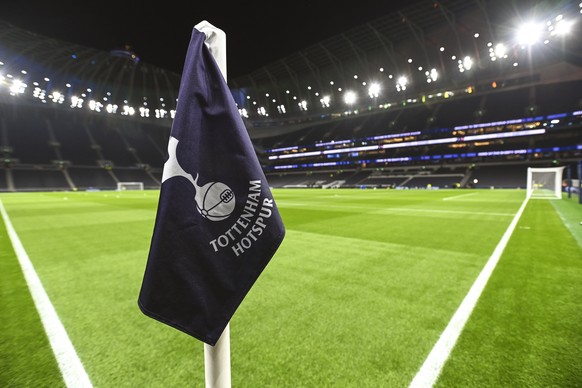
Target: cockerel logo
(214, 200)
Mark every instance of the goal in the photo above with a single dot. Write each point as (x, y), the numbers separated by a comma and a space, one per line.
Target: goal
(122, 186)
(545, 182)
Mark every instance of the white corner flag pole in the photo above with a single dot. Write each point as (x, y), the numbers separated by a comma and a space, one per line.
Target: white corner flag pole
(217, 361)
(217, 357)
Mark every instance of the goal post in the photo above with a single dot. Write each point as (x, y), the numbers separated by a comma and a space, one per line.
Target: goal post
(122, 186)
(545, 182)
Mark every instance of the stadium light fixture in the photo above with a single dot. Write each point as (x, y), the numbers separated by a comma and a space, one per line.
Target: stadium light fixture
(529, 34)
(401, 83)
(374, 90)
(468, 63)
(39, 93)
(57, 97)
(18, 87)
(563, 27)
(94, 105)
(350, 97)
(128, 110)
(500, 51)
(432, 75)
(161, 113)
(465, 64)
(76, 102)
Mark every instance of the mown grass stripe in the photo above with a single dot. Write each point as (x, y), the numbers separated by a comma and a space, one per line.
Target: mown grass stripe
(69, 363)
(432, 366)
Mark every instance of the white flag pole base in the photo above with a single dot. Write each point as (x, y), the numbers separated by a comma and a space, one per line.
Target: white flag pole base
(217, 362)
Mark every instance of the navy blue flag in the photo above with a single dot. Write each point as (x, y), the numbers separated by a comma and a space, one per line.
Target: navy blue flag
(217, 225)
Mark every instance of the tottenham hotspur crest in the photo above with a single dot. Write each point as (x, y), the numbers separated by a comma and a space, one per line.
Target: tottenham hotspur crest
(214, 200)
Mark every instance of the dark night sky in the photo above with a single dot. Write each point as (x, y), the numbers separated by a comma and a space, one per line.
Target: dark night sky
(257, 32)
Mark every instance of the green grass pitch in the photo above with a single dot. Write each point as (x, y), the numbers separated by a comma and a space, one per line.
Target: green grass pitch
(356, 296)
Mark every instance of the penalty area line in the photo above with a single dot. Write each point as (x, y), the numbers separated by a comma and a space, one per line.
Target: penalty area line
(72, 369)
(432, 366)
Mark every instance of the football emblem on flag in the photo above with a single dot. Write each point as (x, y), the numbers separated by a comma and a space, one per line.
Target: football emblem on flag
(214, 201)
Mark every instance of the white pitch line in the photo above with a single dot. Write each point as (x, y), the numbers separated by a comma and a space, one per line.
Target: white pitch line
(457, 196)
(421, 210)
(432, 366)
(389, 210)
(70, 365)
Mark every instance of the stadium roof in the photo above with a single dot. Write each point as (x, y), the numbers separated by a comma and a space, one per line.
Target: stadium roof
(116, 73)
(421, 42)
(434, 34)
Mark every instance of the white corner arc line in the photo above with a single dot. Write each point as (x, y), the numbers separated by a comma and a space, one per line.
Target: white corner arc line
(72, 369)
(432, 366)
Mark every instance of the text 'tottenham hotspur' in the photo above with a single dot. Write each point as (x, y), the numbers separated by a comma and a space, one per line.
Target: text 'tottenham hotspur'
(243, 233)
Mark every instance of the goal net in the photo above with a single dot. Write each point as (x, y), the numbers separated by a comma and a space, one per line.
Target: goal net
(122, 186)
(545, 182)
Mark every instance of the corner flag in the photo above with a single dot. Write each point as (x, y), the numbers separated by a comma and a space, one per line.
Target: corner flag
(217, 225)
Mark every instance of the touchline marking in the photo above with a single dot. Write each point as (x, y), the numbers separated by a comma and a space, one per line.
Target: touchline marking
(432, 366)
(70, 365)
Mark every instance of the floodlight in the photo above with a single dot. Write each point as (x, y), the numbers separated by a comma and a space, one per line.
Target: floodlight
(374, 89)
(350, 97)
(563, 27)
(500, 50)
(401, 83)
(529, 34)
(467, 63)
(17, 87)
(434, 75)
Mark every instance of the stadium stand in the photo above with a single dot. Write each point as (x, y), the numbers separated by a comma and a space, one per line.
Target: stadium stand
(478, 118)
